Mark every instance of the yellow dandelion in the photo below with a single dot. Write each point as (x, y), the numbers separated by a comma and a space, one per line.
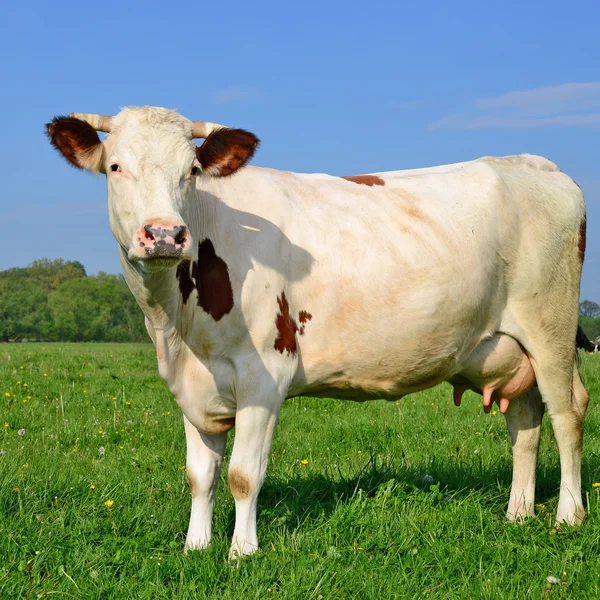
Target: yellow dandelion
(109, 503)
(596, 485)
(25, 401)
(28, 397)
(24, 385)
(75, 448)
(7, 394)
(304, 462)
(6, 425)
(120, 447)
(494, 412)
(22, 367)
(80, 375)
(127, 403)
(84, 391)
(477, 433)
(45, 374)
(92, 487)
(26, 466)
(100, 430)
(18, 382)
(114, 397)
(16, 490)
(182, 468)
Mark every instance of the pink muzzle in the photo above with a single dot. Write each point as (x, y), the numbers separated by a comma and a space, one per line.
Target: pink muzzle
(162, 240)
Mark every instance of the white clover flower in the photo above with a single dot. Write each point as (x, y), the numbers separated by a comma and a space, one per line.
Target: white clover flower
(427, 479)
(101, 450)
(552, 580)
(476, 451)
(21, 432)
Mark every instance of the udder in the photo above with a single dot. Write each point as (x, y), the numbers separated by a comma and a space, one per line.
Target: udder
(499, 369)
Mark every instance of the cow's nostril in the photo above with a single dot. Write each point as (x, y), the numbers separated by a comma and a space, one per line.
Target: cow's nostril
(181, 235)
(148, 233)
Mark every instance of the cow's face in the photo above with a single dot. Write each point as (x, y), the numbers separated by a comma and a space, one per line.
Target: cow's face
(152, 166)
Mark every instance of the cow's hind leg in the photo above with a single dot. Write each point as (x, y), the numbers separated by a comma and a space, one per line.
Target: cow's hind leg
(203, 466)
(565, 399)
(566, 415)
(524, 420)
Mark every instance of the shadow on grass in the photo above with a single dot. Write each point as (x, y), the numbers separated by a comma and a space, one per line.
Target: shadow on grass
(313, 495)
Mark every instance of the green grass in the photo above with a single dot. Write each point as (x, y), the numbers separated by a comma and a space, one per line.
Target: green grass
(357, 521)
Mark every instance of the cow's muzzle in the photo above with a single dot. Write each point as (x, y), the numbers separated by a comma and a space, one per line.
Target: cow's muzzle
(156, 239)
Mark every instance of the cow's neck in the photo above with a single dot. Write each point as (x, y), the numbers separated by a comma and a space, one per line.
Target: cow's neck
(154, 292)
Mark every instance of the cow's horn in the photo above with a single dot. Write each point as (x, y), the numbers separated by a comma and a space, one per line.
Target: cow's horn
(98, 122)
(202, 129)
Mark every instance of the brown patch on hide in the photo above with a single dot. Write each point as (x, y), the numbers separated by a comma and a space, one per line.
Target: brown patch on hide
(210, 272)
(192, 483)
(303, 317)
(582, 239)
(73, 138)
(239, 484)
(226, 150)
(369, 180)
(216, 426)
(186, 285)
(286, 328)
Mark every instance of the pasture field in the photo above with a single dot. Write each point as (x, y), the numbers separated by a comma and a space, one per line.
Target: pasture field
(94, 502)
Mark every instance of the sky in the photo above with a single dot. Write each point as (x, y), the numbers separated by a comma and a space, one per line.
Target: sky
(330, 87)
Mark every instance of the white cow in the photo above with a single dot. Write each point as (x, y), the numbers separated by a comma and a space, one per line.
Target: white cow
(265, 285)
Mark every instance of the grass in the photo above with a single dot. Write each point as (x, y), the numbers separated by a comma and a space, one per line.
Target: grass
(94, 501)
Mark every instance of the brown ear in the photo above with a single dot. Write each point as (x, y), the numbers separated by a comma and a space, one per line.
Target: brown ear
(226, 150)
(77, 141)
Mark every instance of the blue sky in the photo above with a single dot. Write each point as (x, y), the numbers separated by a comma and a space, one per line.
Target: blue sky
(335, 87)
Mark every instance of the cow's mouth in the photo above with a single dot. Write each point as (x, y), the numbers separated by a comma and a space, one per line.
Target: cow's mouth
(152, 264)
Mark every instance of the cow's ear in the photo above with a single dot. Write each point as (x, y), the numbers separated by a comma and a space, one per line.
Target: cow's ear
(225, 151)
(78, 142)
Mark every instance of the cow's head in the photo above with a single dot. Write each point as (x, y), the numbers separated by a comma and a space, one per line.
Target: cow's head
(152, 166)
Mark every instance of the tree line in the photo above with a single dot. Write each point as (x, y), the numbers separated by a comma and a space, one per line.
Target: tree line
(55, 300)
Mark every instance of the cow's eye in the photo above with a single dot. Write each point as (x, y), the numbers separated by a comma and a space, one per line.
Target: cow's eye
(115, 168)
(195, 170)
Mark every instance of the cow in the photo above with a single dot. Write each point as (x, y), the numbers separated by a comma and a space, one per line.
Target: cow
(259, 285)
(582, 342)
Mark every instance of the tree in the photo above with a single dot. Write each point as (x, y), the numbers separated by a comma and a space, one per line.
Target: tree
(99, 309)
(55, 300)
(49, 274)
(24, 310)
(589, 309)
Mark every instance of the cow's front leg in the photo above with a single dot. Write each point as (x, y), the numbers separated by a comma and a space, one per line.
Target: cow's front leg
(254, 427)
(203, 466)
